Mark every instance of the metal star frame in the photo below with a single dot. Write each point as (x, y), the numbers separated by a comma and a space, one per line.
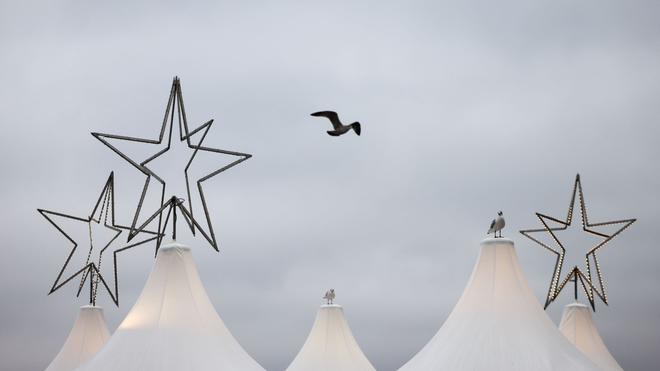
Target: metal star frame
(175, 107)
(105, 205)
(575, 274)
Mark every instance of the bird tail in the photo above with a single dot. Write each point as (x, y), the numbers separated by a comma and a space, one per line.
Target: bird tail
(356, 127)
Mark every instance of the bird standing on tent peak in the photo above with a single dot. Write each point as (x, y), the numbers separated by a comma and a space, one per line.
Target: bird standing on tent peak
(329, 296)
(497, 225)
(338, 127)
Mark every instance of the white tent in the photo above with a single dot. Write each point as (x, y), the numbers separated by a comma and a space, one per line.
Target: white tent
(330, 345)
(172, 326)
(87, 336)
(498, 324)
(578, 326)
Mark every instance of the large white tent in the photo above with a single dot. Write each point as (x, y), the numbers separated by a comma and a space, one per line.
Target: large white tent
(498, 324)
(330, 345)
(173, 326)
(578, 326)
(88, 335)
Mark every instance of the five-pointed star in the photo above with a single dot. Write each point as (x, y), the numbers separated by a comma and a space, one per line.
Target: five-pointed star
(575, 274)
(92, 268)
(175, 107)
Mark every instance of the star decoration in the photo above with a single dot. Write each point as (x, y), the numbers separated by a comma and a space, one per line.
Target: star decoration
(175, 107)
(557, 284)
(91, 270)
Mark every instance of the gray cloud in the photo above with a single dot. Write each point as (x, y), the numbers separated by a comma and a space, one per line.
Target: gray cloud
(467, 109)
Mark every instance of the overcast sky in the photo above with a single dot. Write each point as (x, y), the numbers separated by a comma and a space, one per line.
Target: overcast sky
(465, 109)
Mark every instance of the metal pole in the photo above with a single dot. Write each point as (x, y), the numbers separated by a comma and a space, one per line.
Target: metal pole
(174, 219)
(91, 288)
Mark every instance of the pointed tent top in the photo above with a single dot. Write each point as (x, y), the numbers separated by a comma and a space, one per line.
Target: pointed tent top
(330, 345)
(173, 325)
(88, 335)
(498, 324)
(579, 328)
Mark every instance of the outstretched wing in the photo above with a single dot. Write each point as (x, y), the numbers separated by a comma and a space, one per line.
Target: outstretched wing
(330, 115)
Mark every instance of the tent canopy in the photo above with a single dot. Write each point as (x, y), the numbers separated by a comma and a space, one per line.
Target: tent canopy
(498, 324)
(579, 328)
(330, 345)
(88, 335)
(173, 325)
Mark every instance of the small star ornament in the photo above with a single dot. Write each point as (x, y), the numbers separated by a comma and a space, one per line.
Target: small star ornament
(103, 214)
(592, 286)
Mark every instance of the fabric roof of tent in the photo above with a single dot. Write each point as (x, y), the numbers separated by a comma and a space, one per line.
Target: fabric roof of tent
(330, 345)
(498, 324)
(578, 326)
(88, 334)
(172, 326)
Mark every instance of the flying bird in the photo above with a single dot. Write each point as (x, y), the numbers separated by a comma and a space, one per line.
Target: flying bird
(329, 296)
(497, 225)
(338, 127)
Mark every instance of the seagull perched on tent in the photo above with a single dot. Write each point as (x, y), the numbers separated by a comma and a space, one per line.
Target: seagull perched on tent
(329, 296)
(339, 128)
(497, 225)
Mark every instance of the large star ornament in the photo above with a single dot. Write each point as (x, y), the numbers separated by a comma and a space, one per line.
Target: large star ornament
(575, 275)
(92, 270)
(175, 107)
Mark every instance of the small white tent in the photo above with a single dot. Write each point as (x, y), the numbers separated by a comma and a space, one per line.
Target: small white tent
(173, 326)
(498, 324)
(578, 326)
(330, 345)
(88, 335)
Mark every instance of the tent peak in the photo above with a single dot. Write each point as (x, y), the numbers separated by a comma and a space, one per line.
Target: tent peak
(497, 241)
(498, 324)
(576, 305)
(323, 306)
(175, 245)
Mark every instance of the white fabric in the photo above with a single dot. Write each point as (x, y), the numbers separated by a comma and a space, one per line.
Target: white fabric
(330, 345)
(173, 326)
(498, 324)
(578, 326)
(87, 336)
